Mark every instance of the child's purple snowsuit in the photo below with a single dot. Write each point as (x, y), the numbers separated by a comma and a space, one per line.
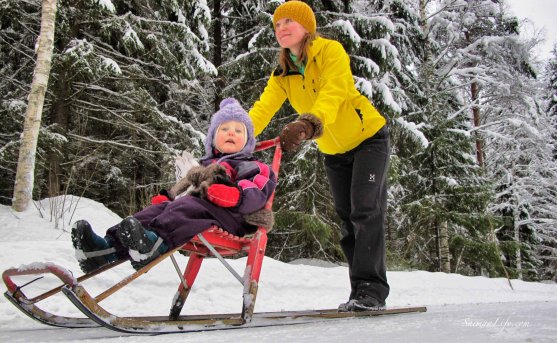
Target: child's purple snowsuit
(176, 222)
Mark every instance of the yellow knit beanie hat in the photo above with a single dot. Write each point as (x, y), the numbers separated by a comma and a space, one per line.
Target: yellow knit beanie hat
(297, 11)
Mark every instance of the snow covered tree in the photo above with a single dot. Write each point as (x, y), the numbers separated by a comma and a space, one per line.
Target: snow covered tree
(126, 89)
(529, 191)
(18, 35)
(492, 68)
(546, 250)
(447, 190)
(247, 49)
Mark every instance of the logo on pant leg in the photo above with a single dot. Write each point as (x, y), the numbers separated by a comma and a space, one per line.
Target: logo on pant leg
(371, 177)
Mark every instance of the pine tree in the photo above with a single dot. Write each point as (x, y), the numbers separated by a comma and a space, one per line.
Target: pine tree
(16, 70)
(495, 64)
(126, 90)
(552, 96)
(444, 192)
(540, 180)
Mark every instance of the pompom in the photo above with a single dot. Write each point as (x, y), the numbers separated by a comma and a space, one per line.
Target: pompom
(228, 102)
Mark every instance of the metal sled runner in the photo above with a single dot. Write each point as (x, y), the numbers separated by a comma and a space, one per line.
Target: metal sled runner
(213, 242)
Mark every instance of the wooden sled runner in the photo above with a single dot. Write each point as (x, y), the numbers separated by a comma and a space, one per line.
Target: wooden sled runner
(213, 242)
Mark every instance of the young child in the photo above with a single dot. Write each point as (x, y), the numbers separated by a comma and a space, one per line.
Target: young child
(226, 190)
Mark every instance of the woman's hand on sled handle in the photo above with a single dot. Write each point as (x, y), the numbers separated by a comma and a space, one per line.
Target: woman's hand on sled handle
(306, 127)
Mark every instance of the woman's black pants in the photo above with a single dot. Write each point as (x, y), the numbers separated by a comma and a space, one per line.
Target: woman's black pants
(358, 181)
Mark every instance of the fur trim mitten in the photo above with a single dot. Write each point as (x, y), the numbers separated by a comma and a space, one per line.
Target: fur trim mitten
(307, 127)
(199, 178)
(314, 122)
(261, 218)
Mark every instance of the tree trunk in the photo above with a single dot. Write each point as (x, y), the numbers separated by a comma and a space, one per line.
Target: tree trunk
(518, 257)
(217, 51)
(476, 115)
(346, 6)
(23, 188)
(59, 124)
(444, 253)
(475, 95)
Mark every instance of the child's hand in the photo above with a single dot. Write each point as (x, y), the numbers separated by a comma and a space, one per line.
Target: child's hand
(223, 195)
(161, 197)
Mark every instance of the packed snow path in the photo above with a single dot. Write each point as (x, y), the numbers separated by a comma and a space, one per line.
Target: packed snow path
(502, 322)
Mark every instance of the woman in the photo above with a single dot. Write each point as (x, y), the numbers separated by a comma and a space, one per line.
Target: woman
(315, 76)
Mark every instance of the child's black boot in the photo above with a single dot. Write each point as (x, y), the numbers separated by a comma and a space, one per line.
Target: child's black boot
(91, 250)
(144, 245)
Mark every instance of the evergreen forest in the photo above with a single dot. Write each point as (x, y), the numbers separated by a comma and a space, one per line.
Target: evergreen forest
(472, 112)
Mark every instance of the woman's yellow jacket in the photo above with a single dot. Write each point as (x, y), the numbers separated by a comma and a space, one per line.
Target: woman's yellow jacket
(326, 90)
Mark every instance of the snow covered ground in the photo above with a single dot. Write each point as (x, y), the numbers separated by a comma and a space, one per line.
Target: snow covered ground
(460, 309)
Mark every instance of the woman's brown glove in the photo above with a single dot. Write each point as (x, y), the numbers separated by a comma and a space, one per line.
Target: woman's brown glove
(306, 127)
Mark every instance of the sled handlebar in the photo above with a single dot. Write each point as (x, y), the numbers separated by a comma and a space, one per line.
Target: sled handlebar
(275, 166)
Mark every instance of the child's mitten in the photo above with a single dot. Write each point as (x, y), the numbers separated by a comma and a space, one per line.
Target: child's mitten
(223, 195)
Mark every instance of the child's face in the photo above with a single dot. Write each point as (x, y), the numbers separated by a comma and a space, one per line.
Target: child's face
(230, 137)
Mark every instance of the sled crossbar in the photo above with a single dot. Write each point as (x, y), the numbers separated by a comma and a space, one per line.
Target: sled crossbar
(220, 258)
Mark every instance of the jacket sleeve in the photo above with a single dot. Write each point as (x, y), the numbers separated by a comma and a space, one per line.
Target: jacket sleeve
(269, 103)
(334, 84)
(257, 182)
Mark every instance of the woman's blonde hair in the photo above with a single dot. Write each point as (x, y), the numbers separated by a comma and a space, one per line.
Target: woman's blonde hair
(284, 59)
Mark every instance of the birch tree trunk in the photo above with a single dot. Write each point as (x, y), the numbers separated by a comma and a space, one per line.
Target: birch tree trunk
(23, 188)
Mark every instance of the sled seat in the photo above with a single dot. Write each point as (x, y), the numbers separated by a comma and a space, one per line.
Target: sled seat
(216, 242)
(224, 242)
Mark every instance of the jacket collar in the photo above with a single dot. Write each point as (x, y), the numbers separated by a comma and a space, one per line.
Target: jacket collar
(315, 47)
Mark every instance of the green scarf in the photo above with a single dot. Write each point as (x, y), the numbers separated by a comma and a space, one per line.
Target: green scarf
(301, 66)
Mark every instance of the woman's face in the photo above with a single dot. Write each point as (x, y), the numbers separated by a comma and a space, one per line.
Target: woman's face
(290, 34)
(230, 137)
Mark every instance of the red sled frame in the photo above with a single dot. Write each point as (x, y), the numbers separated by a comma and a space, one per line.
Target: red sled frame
(212, 242)
(219, 243)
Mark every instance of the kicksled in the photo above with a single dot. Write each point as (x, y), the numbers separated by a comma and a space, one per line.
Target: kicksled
(214, 242)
